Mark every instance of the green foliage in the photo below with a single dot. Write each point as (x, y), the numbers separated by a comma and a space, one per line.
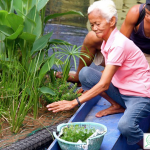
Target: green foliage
(23, 58)
(47, 90)
(6, 5)
(67, 52)
(17, 93)
(60, 90)
(76, 133)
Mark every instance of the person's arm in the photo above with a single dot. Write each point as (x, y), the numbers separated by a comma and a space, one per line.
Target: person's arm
(130, 21)
(100, 87)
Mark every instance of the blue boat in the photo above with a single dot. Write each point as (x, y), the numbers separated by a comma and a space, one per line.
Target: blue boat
(113, 140)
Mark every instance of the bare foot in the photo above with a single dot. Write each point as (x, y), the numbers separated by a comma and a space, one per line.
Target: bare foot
(113, 109)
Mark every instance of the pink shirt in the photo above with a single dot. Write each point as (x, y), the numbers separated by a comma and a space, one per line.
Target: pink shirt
(133, 76)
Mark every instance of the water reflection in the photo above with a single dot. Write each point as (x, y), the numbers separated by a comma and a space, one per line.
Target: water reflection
(60, 6)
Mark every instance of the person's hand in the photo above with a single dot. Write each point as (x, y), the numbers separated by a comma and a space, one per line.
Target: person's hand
(58, 74)
(73, 77)
(60, 106)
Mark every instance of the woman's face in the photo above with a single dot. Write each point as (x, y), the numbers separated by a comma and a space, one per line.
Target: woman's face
(99, 25)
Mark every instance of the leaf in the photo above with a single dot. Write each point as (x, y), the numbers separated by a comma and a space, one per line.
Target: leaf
(2, 5)
(41, 58)
(58, 42)
(14, 20)
(2, 48)
(6, 5)
(28, 4)
(29, 20)
(46, 90)
(36, 61)
(62, 14)
(6, 30)
(46, 67)
(9, 44)
(17, 33)
(40, 43)
(18, 6)
(38, 28)
(28, 37)
(3, 20)
(2, 37)
(66, 69)
(41, 4)
(9, 5)
(58, 62)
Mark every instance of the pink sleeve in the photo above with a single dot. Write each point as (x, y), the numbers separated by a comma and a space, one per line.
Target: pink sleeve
(116, 56)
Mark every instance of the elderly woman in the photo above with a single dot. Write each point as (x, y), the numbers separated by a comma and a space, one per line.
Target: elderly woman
(125, 81)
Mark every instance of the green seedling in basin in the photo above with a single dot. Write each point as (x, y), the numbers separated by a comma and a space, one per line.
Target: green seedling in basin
(76, 133)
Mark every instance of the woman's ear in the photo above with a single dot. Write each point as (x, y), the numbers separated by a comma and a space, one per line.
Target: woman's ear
(113, 21)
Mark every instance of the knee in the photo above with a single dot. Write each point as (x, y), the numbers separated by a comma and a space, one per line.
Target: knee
(83, 74)
(125, 127)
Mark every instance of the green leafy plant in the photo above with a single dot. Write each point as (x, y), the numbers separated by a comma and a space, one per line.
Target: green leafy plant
(68, 52)
(60, 90)
(16, 94)
(76, 133)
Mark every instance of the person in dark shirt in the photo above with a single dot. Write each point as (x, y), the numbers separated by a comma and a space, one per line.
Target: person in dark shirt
(136, 26)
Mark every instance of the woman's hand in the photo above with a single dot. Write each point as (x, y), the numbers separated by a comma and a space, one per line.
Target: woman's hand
(73, 77)
(58, 74)
(61, 106)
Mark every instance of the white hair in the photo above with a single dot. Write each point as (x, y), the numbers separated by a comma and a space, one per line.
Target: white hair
(107, 9)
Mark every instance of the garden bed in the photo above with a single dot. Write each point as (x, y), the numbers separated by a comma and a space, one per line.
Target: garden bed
(33, 131)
